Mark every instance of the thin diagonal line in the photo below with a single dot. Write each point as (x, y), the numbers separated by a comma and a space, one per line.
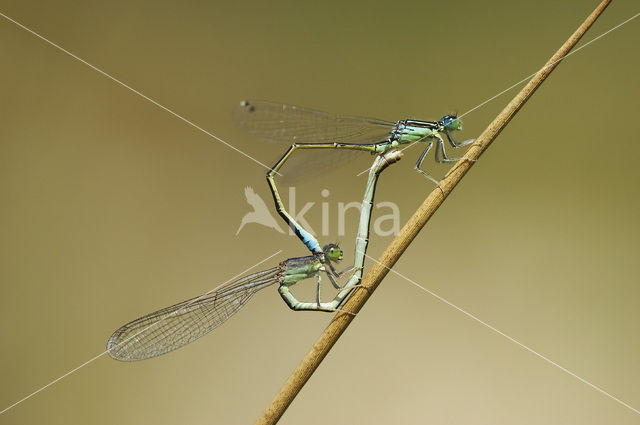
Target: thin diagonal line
(531, 350)
(153, 324)
(114, 79)
(551, 64)
(529, 76)
(401, 150)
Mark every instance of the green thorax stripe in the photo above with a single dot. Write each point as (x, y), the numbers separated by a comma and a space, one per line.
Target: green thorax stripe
(408, 131)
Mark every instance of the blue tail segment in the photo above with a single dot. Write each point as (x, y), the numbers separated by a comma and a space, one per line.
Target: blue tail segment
(307, 238)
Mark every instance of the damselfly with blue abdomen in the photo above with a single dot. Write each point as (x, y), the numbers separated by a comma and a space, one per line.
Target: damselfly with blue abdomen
(309, 129)
(173, 327)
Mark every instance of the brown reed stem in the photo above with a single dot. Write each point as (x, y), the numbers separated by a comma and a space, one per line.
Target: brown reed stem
(396, 248)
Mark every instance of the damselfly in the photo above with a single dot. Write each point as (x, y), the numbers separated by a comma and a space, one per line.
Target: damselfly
(172, 327)
(309, 129)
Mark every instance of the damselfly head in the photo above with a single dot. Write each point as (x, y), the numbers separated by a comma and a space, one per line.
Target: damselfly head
(332, 252)
(451, 123)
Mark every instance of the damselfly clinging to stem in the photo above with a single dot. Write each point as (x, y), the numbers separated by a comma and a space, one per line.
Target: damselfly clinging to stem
(173, 327)
(309, 129)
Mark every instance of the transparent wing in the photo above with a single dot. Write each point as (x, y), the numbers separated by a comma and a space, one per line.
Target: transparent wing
(310, 165)
(275, 122)
(172, 327)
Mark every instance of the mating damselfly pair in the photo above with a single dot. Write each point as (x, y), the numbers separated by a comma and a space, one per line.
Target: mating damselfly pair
(173, 327)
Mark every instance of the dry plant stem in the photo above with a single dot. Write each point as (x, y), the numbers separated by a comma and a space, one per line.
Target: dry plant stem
(379, 270)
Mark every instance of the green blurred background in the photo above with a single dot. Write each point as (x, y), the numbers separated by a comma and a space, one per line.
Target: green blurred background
(112, 208)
